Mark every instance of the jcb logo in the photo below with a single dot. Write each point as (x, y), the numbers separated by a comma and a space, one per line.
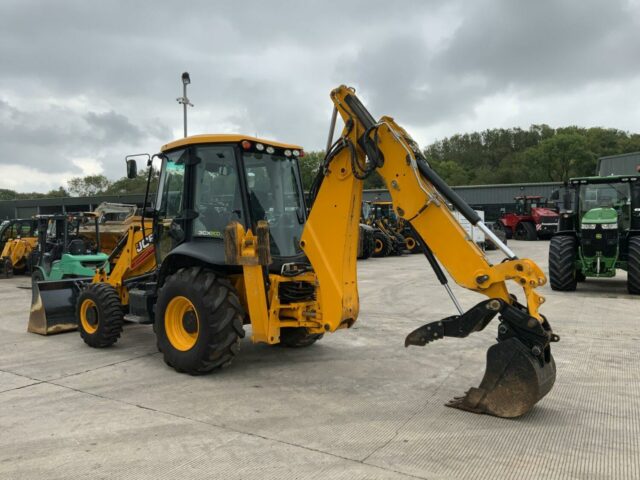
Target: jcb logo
(144, 243)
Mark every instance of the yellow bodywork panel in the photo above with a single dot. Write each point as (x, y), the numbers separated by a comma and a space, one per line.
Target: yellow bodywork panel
(224, 138)
(330, 242)
(266, 313)
(136, 258)
(18, 250)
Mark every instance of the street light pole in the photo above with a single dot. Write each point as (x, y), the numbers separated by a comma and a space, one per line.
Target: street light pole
(184, 100)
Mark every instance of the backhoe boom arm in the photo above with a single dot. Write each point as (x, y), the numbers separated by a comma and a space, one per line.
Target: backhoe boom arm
(420, 197)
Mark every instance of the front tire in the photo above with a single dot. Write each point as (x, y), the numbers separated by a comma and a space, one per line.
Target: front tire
(633, 266)
(562, 270)
(100, 315)
(383, 245)
(411, 244)
(8, 268)
(198, 321)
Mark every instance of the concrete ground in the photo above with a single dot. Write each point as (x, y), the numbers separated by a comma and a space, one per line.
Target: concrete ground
(356, 405)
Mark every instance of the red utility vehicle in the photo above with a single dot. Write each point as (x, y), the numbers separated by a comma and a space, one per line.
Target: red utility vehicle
(532, 219)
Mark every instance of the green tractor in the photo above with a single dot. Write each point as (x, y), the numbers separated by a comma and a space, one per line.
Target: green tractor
(63, 252)
(598, 232)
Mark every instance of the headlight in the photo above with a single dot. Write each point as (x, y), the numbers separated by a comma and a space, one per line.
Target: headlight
(609, 226)
(588, 226)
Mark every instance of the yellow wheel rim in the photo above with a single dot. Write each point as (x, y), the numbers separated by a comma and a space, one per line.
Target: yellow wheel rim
(181, 323)
(410, 243)
(89, 316)
(379, 246)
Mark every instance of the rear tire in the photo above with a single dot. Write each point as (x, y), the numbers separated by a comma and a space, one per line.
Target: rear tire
(368, 245)
(100, 315)
(8, 268)
(20, 268)
(525, 231)
(633, 266)
(383, 245)
(411, 244)
(198, 322)
(399, 244)
(298, 337)
(562, 271)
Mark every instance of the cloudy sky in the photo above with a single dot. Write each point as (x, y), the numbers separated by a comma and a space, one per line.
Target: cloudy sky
(83, 83)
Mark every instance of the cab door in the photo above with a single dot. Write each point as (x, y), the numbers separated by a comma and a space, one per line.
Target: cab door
(170, 204)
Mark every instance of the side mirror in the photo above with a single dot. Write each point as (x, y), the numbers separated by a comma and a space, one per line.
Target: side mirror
(132, 168)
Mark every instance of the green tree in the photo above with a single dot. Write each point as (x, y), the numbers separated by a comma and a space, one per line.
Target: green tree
(88, 186)
(134, 185)
(559, 158)
(6, 194)
(452, 172)
(59, 192)
(309, 167)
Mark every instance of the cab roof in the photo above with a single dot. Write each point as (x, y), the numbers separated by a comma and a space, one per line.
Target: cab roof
(608, 179)
(224, 138)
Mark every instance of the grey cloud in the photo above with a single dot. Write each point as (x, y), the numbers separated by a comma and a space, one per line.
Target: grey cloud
(538, 44)
(268, 68)
(49, 138)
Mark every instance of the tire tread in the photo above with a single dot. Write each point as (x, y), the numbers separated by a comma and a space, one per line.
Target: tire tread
(562, 271)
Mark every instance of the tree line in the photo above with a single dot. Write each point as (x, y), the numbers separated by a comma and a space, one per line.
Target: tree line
(89, 186)
(500, 155)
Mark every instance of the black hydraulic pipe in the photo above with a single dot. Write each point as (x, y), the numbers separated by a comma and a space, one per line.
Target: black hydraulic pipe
(97, 235)
(119, 246)
(447, 192)
(65, 235)
(435, 266)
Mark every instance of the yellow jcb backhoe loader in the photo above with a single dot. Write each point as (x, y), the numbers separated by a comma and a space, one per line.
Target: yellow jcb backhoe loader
(16, 253)
(234, 247)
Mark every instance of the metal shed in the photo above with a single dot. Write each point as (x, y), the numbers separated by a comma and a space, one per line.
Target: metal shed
(625, 164)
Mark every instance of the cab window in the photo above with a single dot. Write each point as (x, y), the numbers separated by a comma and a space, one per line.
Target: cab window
(218, 200)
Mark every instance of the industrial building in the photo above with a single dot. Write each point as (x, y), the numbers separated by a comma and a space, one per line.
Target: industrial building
(490, 198)
(625, 164)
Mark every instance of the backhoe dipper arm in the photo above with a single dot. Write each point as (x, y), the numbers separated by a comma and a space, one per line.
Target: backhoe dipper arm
(420, 196)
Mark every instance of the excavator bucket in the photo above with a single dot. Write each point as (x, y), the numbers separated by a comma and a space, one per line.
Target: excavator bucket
(514, 381)
(53, 306)
(520, 369)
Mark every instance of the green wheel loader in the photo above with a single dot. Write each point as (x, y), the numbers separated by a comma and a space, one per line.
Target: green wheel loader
(598, 232)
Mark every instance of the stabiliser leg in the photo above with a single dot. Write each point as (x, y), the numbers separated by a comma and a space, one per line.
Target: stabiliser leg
(520, 368)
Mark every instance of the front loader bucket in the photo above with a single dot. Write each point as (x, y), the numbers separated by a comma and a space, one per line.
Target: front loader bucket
(514, 381)
(53, 306)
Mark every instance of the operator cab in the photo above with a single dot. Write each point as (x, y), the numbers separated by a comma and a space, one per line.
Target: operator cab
(208, 181)
(526, 203)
